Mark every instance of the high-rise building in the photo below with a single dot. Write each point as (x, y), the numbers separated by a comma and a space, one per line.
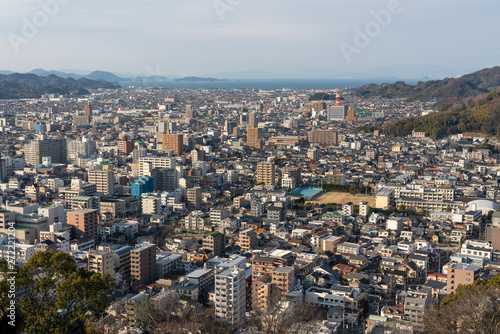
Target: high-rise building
(230, 296)
(197, 155)
(214, 242)
(164, 179)
(254, 138)
(104, 180)
(88, 110)
(125, 146)
(84, 222)
(84, 148)
(253, 120)
(338, 111)
(266, 173)
(351, 115)
(143, 264)
(173, 142)
(194, 198)
(56, 149)
(102, 262)
(313, 153)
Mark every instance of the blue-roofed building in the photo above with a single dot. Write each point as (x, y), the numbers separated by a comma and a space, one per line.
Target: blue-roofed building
(141, 185)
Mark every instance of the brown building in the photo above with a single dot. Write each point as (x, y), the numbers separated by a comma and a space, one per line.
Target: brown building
(284, 280)
(143, 264)
(264, 265)
(247, 239)
(351, 115)
(263, 294)
(317, 105)
(266, 173)
(214, 242)
(125, 146)
(254, 139)
(84, 222)
(461, 273)
(173, 142)
(88, 110)
(326, 137)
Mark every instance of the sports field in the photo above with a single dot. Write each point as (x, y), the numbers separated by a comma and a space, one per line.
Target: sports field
(341, 198)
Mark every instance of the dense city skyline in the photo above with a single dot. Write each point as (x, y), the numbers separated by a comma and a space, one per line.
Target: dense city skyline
(273, 39)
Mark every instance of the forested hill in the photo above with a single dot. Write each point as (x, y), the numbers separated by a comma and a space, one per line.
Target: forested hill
(480, 114)
(446, 91)
(17, 86)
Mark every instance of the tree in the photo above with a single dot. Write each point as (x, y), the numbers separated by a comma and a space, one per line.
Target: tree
(353, 189)
(473, 308)
(56, 294)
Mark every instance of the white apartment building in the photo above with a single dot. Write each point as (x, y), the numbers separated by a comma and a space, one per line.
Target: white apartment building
(230, 301)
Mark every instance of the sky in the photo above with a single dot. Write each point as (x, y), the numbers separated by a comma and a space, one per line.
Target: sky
(289, 38)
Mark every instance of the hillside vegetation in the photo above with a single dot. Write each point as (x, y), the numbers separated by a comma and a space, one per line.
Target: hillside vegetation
(481, 114)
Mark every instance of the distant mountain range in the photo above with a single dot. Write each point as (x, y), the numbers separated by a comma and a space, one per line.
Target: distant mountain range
(445, 92)
(28, 85)
(470, 103)
(198, 79)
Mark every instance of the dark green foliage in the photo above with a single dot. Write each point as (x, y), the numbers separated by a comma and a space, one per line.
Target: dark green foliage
(57, 294)
(321, 96)
(365, 128)
(481, 114)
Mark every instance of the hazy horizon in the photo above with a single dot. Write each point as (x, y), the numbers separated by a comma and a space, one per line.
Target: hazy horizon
(287, 39)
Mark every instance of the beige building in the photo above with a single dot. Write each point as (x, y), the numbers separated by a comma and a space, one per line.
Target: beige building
(326, 137)
(102, 262)
(266, 173)
(151, 205)
(247, 239)
(104, 180)
(284, 279)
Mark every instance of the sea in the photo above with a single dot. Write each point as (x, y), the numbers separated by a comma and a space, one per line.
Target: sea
(264, 84)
